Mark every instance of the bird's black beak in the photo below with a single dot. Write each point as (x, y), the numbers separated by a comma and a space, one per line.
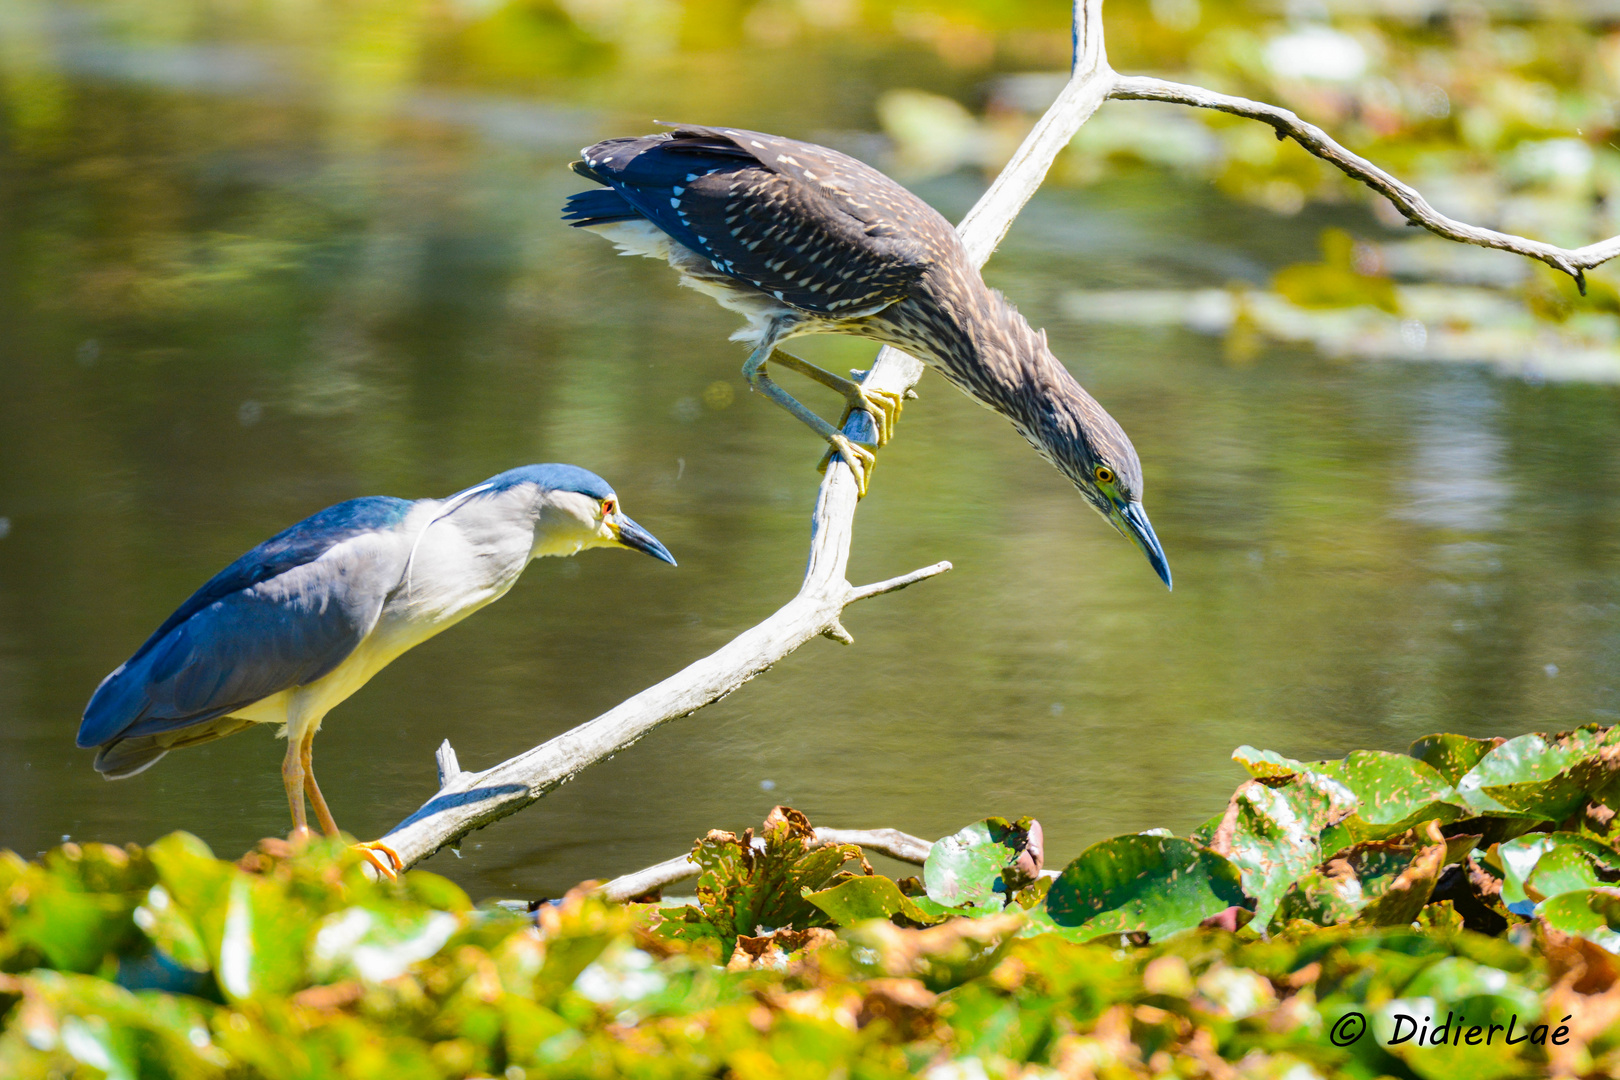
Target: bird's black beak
(1132, 520)
(636, 538)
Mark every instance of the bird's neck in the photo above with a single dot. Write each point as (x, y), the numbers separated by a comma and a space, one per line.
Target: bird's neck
(994, 355)
(464, 559)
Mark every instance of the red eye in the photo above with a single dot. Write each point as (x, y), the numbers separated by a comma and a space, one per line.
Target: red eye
(607, 507)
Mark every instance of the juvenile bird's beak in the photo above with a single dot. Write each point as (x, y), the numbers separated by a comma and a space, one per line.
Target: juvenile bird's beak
(1131, 520)
(636, 538)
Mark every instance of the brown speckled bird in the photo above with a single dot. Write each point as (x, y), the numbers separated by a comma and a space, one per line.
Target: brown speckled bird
(801, 239)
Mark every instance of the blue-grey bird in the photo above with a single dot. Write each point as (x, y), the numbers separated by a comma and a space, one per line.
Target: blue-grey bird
(292, 628)
(801, 239)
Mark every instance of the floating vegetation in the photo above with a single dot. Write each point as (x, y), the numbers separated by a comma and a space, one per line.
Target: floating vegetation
(1447, 912)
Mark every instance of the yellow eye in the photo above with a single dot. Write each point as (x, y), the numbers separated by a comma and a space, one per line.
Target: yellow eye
(1104, 474)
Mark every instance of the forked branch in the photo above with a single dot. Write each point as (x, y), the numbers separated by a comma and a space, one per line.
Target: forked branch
(470, 800)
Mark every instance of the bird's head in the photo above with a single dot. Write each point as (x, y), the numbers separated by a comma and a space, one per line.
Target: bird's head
(1103, 465)
(568, 508)
(1009, 367)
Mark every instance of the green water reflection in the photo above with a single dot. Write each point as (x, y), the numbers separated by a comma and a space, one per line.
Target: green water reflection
(240, 283)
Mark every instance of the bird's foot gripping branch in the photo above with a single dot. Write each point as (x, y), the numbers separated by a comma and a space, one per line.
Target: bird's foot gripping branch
(1440, 913)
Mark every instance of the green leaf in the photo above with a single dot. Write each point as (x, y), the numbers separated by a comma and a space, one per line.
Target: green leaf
(74, 930)
(863, 898)
(1147, 884)
(257, 938)
(1451, 755)
(171, 930)
(1381, 883)
(377, 944)
(1593, 914)
(1271, 833)
(1393, 794)
(1266, 764)
(1541, 776)
(966, 868)
(1541, 865)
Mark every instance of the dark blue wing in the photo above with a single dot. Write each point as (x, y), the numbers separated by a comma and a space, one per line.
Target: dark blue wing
(284, 614)
(813, 227)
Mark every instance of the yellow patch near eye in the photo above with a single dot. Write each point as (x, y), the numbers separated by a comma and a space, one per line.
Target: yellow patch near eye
(1104, 474)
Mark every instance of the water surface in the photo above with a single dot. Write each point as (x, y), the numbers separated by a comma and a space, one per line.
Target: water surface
(240, 283)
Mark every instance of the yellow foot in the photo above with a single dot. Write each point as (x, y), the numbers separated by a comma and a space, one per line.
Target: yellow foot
(883, 406)
(860, 460)
(383, 857)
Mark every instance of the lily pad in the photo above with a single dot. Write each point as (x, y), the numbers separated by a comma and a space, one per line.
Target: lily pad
(863, 898)
(1393, 794)
(1266, 764)
(1533, 775)
(1451, 755)
(1381, 883)
(1593, 914)
(1270, 833)
(748, 882)
(1152, 885)
(1542, 865)
(967, 868)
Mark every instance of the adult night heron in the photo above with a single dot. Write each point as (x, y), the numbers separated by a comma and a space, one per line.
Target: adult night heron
(801, 239)
(292, 628)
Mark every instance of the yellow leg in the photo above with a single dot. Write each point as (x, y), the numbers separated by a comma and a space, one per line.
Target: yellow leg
(292, 778)
(378, 854)
(312, 790)
(859, 459)
(883, 406)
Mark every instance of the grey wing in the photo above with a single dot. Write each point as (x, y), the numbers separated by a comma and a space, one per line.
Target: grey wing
(813, 227)
(279, 633)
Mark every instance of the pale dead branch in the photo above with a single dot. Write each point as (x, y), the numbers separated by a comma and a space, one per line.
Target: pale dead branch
(890, 842)
(1404, 196)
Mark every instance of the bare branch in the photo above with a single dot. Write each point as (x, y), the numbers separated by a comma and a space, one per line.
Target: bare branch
(895, 584)
(891, 842)
(1404, 196)
(471, 800)
(449, 767)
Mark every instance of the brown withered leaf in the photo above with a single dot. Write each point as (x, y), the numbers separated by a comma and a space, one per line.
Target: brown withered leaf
(751, 885)
(780, 950)
(905, 1004)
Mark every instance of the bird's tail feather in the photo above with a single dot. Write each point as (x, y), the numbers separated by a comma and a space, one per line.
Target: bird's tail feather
(125, 757)
(599, 206)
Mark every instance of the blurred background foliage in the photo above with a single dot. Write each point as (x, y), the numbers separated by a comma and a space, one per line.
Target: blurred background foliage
(258, 257)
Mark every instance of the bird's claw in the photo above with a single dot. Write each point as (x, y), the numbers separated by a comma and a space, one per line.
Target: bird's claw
(383, 857)
(860, 460)
(883, 406)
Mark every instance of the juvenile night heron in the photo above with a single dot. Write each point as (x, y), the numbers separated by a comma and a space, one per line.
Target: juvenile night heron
(292, 628)
(801, 239)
